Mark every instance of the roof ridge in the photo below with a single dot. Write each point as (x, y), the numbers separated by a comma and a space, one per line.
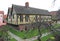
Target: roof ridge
(30, 10)
(29, 7)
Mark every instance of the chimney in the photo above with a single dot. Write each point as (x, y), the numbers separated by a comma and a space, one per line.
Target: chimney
(27, 4)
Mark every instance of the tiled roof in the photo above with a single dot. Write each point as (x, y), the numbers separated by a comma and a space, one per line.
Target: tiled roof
(23, 10)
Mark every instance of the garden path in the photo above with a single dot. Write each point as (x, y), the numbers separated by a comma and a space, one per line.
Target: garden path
(30, 39)
(34, 38)
(14, 36)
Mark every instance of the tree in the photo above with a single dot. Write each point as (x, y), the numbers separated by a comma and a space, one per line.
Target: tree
(4, 35)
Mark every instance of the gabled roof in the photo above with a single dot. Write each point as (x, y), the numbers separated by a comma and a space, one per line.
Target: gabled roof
(23, 10)
(9, 9)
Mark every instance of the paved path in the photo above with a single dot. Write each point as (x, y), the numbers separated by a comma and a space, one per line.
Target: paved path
(30, 39)
(34, 38)
(58, 29)
(14, 36)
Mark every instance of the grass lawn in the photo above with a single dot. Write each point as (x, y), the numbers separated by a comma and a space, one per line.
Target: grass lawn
(46, 37)
(27, 34)
(18, 33)
(13, 39)
(24, 34)
(57, 26)
(5, 34)
(50, 35)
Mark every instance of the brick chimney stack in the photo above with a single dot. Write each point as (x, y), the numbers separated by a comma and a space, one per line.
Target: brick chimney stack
(27, 4)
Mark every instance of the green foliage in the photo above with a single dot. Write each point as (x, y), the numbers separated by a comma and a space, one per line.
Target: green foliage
(57, 26)
(13, 39)
(24, 34)
(3, 33)
(27, 34)
(45, 37)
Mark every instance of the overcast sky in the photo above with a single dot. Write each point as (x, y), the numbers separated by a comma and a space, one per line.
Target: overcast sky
(41, 4)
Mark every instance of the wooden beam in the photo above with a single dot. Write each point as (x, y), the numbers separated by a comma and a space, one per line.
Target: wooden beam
(17, 19)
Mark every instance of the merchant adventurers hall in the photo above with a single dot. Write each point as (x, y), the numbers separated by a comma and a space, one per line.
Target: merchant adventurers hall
(25, 17)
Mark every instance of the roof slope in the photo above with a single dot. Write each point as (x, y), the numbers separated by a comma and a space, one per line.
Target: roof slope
(23, 10)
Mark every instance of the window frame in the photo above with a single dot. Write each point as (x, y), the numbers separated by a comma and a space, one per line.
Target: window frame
(21, 18)
(26, 18)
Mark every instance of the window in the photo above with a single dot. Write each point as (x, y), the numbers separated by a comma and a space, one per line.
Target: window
(21, 18)
(27, 18)
(36, 19)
